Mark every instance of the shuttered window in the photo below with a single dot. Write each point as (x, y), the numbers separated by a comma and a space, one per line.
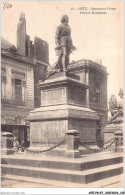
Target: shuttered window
(18, 90)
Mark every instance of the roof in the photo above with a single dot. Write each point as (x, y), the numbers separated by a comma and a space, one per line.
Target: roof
(7, 45)
(87, 63)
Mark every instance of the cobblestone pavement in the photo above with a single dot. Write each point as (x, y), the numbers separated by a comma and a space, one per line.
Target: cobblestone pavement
(113, 182)
(22, 184)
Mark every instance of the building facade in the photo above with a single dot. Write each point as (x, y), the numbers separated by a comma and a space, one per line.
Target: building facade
(22, 68)
(17, 93)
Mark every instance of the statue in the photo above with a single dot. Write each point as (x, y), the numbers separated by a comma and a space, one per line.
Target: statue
(64, 45)
(115, 109)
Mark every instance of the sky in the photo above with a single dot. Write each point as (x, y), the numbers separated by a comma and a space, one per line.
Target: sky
(98, 37)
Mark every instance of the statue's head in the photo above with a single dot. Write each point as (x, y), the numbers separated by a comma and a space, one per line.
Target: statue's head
(121, 93)
(64, 18)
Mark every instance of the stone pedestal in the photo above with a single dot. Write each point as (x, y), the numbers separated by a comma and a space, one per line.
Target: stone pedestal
(72, 142)
(63, 107)
(110, 130)
(118, 141)
(7, 143)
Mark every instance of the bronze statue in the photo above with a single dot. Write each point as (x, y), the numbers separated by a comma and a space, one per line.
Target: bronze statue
(116, 110)
(64, 43)
(64, 46)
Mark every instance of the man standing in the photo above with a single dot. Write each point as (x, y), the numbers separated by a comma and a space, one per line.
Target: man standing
(64, 44)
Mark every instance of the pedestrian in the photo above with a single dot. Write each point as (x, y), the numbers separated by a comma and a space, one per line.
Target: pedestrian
(15, 144)
(22, 145)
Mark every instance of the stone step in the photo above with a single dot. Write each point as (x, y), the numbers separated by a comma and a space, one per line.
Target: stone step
(85, 163)
(86, 176)
(117, 180)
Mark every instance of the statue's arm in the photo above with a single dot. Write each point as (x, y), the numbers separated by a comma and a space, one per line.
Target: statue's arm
(57, 36)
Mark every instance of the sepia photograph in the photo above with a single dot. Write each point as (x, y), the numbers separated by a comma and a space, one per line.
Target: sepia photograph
(62, 75)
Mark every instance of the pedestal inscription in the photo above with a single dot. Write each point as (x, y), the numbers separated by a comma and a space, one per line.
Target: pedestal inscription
(47, 132)
(53, 96)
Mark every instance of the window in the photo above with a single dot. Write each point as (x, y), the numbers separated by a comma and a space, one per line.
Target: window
(2, 90)
(42, 69)
(96, 89)
(18, 120)
(3, 82)
(97, 93)
(28, 134)
(18, 90)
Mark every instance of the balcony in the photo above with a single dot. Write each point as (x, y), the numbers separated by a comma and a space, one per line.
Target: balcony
(18, 102)
(5, 101)
(12, 102)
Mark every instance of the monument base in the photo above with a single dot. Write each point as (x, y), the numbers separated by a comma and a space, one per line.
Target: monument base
(49, 125)
(45, 152)
(82, 170)
(63, 108)
(89, 149)
(110, 129)
(72, 154)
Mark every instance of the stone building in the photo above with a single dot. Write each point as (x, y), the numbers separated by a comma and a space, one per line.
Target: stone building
(22, 68)
(94, 75)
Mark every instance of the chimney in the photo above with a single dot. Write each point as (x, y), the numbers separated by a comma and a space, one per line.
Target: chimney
(21, 35)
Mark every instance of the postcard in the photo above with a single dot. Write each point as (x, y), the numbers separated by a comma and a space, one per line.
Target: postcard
(62, 97)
